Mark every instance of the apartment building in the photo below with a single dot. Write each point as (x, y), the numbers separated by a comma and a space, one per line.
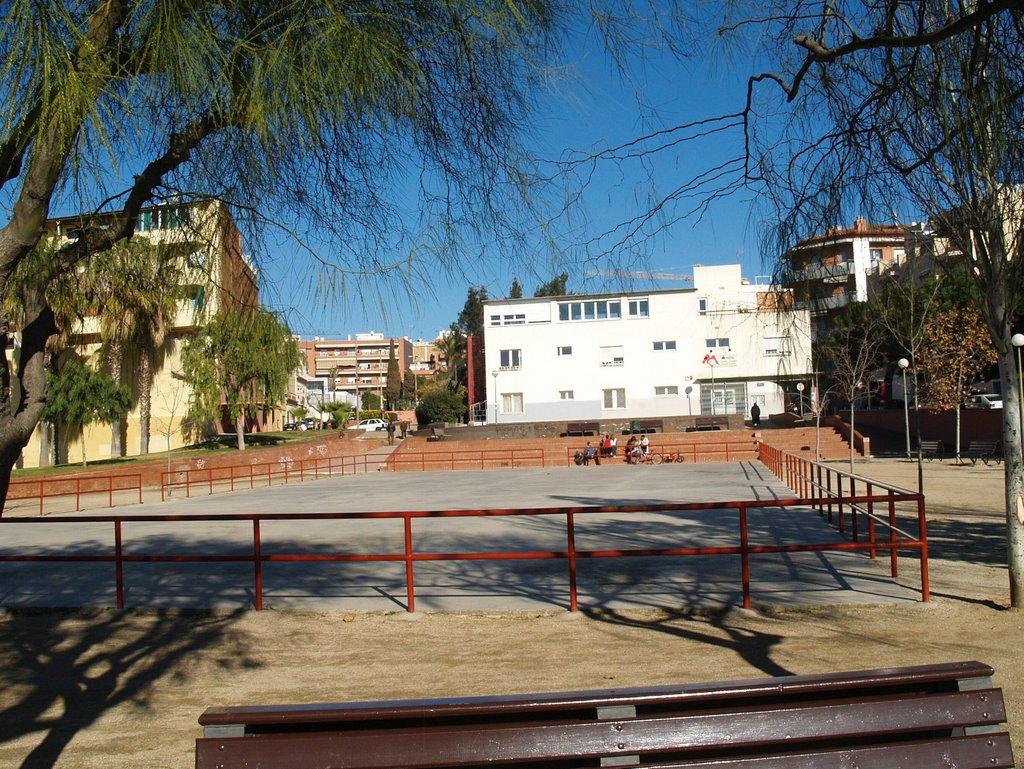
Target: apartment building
(216, 275)
(349, 367)
(712, 349)
(827, 272)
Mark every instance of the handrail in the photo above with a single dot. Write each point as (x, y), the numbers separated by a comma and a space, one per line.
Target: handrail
(833, 492)
(897, 539)
(463, 459)
(285, 470)
(101, 483)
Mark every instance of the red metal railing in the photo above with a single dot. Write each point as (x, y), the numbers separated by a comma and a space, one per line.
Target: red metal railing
(843, 496)
(75, 486)
(231, 477)
(465, 459)
(706, 451)
(897, 539)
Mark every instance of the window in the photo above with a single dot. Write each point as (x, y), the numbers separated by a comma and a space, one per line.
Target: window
(776, 346)
(669, 345)
(565, 395)
(612, 356)
(512, 403)
(638, 308)
(702, 306)
(667, 390)
(615, 398)
(713, 343)
(564, 350)
(197, 294)
(518, 319)
(495, 320)
(510, 359)
(594, 309)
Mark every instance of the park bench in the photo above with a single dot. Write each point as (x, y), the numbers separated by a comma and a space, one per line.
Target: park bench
(436, 432)
(701, 424)
(986, 451)
(580, 429)
(931, 449)
(945, 715)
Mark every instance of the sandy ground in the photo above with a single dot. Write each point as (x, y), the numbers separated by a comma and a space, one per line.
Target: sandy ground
(124, 689)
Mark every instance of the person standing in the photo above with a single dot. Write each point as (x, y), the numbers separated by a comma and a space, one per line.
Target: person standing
(755, 415)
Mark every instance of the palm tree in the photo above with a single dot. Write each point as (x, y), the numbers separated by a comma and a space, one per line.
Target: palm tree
(133, 290)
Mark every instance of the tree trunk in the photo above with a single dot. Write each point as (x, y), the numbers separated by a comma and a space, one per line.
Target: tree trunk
(47, 446)
(115, 356)
(145, 399)
(240, 430)
(1013, 467)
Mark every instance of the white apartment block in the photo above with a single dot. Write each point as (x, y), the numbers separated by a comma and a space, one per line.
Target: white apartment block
(713, 349)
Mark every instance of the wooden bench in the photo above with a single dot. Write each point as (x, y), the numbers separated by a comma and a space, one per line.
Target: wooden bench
(702, 424)
(931, 449)
(946, 715)
(580, 429)
(436, 433)
(986, 451)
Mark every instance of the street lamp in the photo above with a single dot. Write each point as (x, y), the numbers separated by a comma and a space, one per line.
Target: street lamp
(495, 375)
(903, 363)
(800, 396)
(1017, 340)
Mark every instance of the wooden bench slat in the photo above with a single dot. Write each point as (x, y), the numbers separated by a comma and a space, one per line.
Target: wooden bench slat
(963, 753)
(655, 696)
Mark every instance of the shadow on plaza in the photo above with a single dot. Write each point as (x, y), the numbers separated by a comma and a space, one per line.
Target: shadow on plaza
(69, 668)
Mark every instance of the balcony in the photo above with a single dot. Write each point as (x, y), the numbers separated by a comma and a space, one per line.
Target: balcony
(827, 302)
(826, 272)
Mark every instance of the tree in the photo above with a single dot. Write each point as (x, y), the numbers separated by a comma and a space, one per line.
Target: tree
(853, 349)
(298, 111)
(133, 289)
(954, 352)
(471, 317)
(453, 348)
(557, 286)
(393, 384)
(240, 361)
(80, 396)
(340, 411)
(516, 291)
(440, 405)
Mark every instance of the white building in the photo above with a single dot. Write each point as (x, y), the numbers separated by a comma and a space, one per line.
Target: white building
(713, 349)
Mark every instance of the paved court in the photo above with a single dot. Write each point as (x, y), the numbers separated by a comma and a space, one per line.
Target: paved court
(669, 582)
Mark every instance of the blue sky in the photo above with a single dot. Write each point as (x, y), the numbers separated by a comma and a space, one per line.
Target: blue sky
(593, 109)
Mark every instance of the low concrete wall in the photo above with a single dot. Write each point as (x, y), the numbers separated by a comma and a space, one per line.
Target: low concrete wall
(557, 429)
(975, 424)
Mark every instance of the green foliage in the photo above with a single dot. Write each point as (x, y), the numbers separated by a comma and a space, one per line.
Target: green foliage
(340, 411)
(437, 405)
(516, 291)
(79, 396)
(239, 359)
(557, 286)
(369, 400)
(471, 318)
(299, 413)
(393, 383)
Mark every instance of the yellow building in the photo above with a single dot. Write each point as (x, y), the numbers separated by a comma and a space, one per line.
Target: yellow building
(216, 275)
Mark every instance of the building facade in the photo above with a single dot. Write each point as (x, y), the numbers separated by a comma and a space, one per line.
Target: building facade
(713, 349)
(352, 366)
(215, 276)
(827, 272)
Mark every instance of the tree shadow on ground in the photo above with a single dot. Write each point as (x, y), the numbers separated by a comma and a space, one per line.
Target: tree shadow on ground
(63, 670)
(752, 646)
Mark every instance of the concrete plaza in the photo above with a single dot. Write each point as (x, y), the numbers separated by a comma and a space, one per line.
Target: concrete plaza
(787, 579)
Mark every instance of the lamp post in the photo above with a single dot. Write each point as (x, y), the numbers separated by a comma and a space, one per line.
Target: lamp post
(1017, 340)
(903, 363)
(800, 396)
(495, 375)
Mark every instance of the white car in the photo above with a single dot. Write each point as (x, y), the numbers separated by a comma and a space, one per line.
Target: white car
(370, 425)
(984, 401)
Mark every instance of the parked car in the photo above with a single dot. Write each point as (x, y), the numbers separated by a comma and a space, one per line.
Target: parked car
(370, 425)
(984, 401)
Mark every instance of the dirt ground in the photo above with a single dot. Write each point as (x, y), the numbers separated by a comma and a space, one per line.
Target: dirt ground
(124, 689)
